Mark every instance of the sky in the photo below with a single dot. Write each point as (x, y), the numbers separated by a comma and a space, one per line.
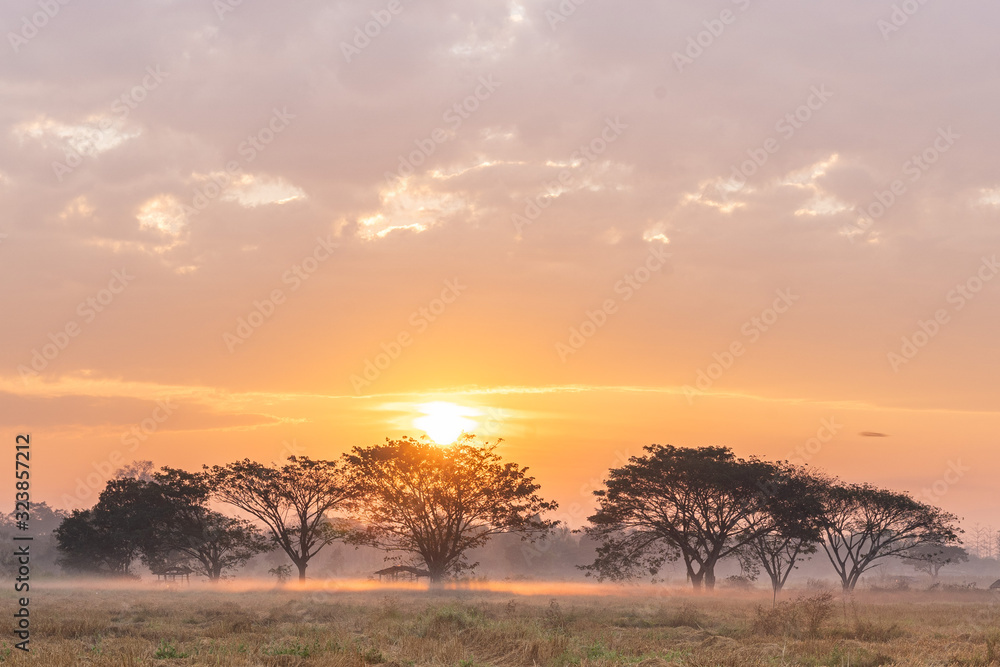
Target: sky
(247, 229)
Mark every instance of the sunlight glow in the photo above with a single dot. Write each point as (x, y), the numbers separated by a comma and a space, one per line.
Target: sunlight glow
(443, 422)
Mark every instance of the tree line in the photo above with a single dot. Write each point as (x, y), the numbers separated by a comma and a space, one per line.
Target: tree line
(430, 506)
(417, 501)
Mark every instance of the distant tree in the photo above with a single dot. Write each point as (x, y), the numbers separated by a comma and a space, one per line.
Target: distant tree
(557, 554)
(44, 519)
(140, 470)
(293, 501)
(41, 527)
(282, 573)
(930, 558)
(91, 544)
(700, 505)
(434, 503)
(864, 524)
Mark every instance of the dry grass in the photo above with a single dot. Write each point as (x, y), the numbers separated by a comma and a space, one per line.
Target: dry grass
(199, 626)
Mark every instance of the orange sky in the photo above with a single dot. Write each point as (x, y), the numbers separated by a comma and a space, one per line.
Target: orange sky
(583, 230)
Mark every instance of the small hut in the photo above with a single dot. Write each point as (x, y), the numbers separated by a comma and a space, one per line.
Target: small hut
(404, 572)
(995, 586)
(174, 574)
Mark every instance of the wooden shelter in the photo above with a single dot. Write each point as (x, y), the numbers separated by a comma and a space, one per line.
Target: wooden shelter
(404, 572)
(174, 574)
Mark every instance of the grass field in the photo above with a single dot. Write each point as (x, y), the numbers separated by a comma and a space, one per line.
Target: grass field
(558, 626)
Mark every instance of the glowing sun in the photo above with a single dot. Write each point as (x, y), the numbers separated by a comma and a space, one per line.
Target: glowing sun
(443, 422)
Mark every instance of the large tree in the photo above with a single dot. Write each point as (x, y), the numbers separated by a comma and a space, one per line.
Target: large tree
(294, 501)
(189, 532)
(120, 529)
(433, 503)
(697, 504)
(864, 524)
(89, 543)
(213, 543)
(160, 518)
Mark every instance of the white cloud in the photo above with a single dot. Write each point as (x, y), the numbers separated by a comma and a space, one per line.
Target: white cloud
(161, 213)
(407, 205)
(98, 135)
(250, 191)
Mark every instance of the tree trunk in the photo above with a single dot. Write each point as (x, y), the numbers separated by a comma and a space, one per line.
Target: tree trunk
(776, 586)
(302, 570)
(709, 577)
(696, 579)
(437, 574)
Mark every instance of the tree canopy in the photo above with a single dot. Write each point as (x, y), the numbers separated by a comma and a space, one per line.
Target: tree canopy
(294, 501)
(160, 518)
(698, 505)
(434, 503)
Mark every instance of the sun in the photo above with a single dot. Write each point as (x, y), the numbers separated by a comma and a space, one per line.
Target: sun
(443, 422)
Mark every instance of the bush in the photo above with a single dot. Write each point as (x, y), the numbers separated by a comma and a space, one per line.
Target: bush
(802, 617)
(738, 582)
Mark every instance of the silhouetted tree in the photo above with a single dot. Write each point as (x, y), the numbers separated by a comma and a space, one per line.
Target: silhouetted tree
(89, 542)
(434, 503)
(119, 529)
(293, 501)
(188, 531)
(42, 524)
(160, 518)
(930, 558)
(797, 530)
(140, 470)
(699, 505)
(864, 524)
